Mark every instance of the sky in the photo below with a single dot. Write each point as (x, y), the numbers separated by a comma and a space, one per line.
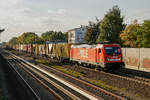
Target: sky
(39, 16)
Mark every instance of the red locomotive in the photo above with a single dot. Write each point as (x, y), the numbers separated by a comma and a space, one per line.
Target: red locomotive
(107, 56)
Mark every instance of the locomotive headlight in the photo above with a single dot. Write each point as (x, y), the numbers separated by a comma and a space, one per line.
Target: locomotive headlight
(108, 59)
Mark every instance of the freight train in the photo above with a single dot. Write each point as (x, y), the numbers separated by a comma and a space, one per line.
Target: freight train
(103, 56)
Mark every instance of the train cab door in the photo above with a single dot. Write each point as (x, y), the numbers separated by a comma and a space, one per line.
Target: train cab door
(99, 58)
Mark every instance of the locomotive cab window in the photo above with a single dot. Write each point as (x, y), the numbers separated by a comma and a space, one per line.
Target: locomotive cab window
(113, 50)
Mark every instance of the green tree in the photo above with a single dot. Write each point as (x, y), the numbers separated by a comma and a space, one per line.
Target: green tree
(136, 35)
(21, 39)
(129, 35)
(92, 32)
(47, 36)
(143, 35)
(28, 38)
(111, 26)
(54, 36)
(66, 36)
(58, 36)
(13, 41)
(39, 40)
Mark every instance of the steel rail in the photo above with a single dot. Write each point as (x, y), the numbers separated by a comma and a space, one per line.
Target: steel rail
(53, 83)
(42, 83)
(45, 86)
(35, 96)
(131, 77)
(90, 85)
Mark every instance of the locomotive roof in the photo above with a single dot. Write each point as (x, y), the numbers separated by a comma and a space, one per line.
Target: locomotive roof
(87, 46)
(90, 46)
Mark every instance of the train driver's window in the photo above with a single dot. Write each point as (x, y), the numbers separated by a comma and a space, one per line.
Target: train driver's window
(99, 50)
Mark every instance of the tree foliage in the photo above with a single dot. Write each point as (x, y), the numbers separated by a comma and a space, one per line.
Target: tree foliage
(92, 32)
(47, 35)
(28, 38)
(13, 41)
(136, 35)
(53, 36)
(111, 26)
(32, 38)
(143, 35)
(129, 35)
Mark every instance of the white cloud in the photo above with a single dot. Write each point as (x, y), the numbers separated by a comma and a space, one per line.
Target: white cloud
(23, 19)
(61, 11)
(9, 3)
(57, 12)
(139, 14)
(27, 19)
(24, 11)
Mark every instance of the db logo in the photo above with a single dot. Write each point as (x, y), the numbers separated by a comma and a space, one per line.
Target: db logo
(84, 53)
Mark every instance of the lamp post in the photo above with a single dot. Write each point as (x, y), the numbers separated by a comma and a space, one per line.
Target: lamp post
(34, 46)
(1, 30)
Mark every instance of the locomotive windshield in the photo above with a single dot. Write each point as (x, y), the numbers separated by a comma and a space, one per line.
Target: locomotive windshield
(113, 50)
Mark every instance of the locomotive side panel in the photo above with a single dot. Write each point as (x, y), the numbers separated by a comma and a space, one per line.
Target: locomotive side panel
(87, 55)
(107, 56)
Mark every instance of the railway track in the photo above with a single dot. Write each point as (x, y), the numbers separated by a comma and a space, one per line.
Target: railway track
(127, 74)
(58, 91)
(57, 84)
(62, 94)
(46, 95)
(83, 90)
(33, 94)
(141, 77)
(139, 80)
